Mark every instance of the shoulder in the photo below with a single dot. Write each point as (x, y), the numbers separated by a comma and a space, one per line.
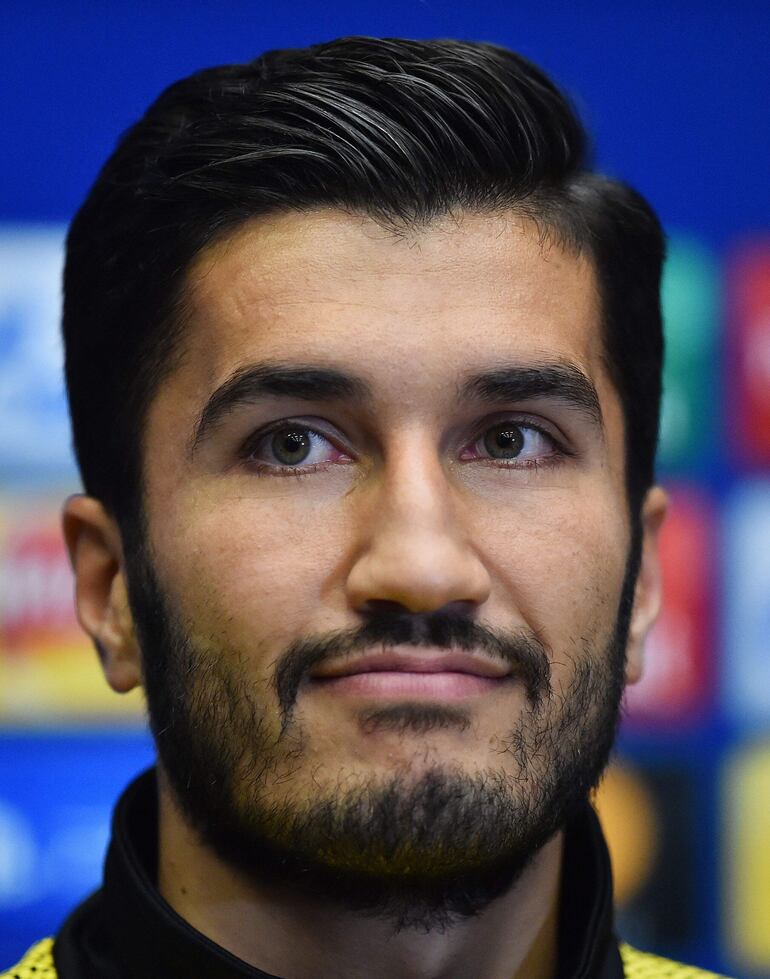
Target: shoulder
(36, 964)
(643, 965)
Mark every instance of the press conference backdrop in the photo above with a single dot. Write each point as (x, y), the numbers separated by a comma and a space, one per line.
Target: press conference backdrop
(678, 99)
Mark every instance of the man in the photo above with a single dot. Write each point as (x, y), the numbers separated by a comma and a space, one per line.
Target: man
(364, 374)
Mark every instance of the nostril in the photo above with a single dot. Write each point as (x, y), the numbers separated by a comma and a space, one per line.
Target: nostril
(384, 606)
(379, 608)
(375, 607)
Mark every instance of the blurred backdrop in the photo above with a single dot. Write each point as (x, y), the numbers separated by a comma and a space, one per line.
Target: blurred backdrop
(677, 97)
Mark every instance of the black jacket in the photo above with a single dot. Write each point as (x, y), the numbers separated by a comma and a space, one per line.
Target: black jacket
(127, 931)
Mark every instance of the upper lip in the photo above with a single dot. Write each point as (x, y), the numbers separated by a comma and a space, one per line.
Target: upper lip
(406, 660)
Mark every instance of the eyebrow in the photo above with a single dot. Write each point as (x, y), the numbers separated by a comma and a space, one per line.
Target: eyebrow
(515, 382)
(303, 382)
(500, 385)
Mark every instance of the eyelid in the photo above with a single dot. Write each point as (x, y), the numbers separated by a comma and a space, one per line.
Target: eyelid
(314, 425)
(525, 420)
(321, 427)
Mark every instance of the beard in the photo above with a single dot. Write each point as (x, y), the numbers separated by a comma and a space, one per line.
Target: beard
(420, 850)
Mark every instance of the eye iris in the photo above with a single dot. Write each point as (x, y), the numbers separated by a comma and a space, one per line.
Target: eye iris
(291, 446)
(504, 441)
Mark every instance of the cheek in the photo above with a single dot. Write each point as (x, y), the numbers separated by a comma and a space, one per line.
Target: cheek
(559, 558)
(246, 570)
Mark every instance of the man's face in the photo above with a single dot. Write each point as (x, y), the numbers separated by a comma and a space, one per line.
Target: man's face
(387, 535)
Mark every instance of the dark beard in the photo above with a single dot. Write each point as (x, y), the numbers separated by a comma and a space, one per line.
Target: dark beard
(423, 851)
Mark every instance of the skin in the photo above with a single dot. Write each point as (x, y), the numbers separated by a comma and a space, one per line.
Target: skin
(404, 509)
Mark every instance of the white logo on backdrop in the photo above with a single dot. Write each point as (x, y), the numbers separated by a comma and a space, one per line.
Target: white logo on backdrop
(746, 669)
(55, 857)
(34, 427)
(19, 858)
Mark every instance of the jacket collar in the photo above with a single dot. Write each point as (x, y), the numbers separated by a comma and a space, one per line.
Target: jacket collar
(127, 929)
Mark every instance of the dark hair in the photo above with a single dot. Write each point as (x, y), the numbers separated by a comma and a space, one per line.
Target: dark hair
(401, 130)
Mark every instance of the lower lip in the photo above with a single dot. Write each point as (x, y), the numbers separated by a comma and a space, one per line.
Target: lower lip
(387, 683)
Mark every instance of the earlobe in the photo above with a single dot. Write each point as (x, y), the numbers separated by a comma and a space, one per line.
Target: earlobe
(101, 595)
(649, 583)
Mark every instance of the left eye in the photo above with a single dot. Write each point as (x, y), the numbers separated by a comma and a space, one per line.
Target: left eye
(509, 441)
(293, 446)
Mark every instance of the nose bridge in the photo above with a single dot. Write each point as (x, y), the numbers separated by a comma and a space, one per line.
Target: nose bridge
(415, 492)
(416, 550)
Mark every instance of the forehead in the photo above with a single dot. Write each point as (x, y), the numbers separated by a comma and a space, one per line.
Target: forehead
(329, 286)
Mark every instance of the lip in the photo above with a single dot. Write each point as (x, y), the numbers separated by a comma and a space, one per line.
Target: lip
(406, 660)
(400, 685)
(423, 674)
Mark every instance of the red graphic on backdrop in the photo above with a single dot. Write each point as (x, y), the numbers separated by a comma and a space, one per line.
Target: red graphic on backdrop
(678, 675)
(749, 343)
(37, 603)
(48, 670)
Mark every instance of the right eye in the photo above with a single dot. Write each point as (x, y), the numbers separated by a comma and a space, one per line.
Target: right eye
(292, 447)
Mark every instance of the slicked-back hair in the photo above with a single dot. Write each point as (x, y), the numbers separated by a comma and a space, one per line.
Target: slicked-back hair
(403, 131)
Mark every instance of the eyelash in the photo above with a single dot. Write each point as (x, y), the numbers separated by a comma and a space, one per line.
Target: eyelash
(556, 454)
(255, 441)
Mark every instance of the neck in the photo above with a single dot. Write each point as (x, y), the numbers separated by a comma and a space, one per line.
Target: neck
(287, 934)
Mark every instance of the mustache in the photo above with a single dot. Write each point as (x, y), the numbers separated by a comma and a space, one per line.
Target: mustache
(523, 652)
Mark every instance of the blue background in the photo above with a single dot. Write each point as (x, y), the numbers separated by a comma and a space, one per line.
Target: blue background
(676, 95)
(677, 98)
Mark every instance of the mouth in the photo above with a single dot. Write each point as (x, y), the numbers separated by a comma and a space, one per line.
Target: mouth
(425, 674)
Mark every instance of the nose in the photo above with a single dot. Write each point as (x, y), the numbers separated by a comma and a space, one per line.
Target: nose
(416, 552)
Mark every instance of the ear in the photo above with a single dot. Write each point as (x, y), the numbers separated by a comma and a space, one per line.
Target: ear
(101, 597)
(649, 583)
